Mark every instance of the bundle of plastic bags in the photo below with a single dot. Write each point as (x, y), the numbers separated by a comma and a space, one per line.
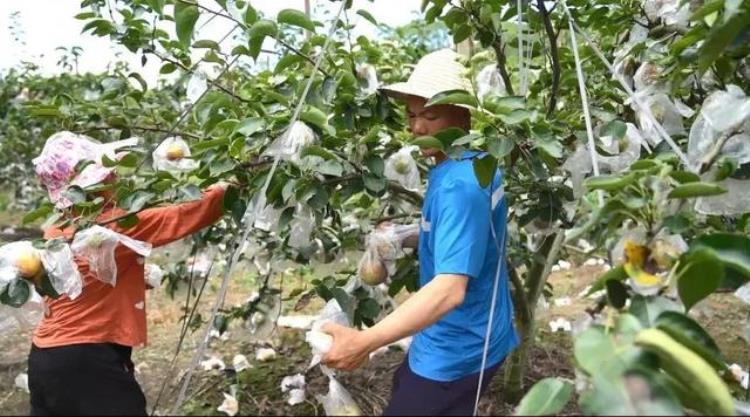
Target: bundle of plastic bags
(97, 245)
(384, 246)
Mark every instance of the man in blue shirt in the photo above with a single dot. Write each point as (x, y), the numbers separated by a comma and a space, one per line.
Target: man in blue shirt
(460, 257)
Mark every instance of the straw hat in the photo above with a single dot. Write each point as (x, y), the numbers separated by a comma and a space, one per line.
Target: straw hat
(435, 73)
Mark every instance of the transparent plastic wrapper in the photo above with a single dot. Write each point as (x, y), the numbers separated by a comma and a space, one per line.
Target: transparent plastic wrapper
(97, 245)
(196, 86)
(402, 168)
(288, 146)
(338, 401)
(703, 137)
(301, 227)
(240, 363)
(295, 386)
(722, 112)
(173, 155)
(154, 275)
(321, 342)
(372, 270)
(230, 406)
(24, 318)
(646, 76)
(384, 246)
(743, 293)
(22, 259)
(670, 12)
(367, 73)
(489, 81)
(267, 216)
(735, 202)
(664, 110)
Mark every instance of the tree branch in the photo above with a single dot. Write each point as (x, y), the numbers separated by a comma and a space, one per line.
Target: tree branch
(554, 55)
(501, 65)
(139, 128)
(242, 24)
(715, 151)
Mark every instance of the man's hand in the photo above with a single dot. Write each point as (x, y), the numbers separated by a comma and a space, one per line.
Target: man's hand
(350, 348)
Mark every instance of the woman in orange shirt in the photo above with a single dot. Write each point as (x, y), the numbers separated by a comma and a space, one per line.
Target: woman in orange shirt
(80, 361)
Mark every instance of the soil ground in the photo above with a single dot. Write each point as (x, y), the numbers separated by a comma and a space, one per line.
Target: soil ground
(723, 315)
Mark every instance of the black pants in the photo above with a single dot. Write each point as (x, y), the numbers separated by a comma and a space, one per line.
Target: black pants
(414, 395)
(86, 379)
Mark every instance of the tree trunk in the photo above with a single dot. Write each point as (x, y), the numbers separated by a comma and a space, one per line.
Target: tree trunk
(515, 367)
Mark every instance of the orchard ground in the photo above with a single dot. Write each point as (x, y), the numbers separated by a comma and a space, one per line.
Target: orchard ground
(259, 387)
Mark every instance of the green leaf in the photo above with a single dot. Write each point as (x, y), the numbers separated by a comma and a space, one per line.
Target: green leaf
(452, 97)
(731, 249)
(721, 36)
(375, 164)
(136, 201)
(684, 177)
(648, 309)
(698, 276)
(485, 169)
(207, 43)
(37, 214)
(616, 129)
(258, 33)
(16, 294)
(686, 331)
(500, 147)
(515, 116)
(317, 150)
(696, 189)
(593, 349)
(369, 308)
(315, 116)
(374, 183)
(296, 18)
(546, 398)
(461, 33)
(636, 392)
(368, 16)
(208, 144)
(167, 68)
(617, 274)
(47, 289)
(156, 5)
(250, 126)
(617, 294)
(286, 61)
(609, 182)
(185, 17)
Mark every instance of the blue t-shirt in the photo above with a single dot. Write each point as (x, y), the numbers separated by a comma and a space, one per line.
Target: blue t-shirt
(456, 238)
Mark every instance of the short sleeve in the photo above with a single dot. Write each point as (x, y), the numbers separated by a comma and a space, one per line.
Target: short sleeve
(462, 229)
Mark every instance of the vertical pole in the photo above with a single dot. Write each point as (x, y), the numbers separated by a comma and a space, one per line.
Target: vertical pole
(307, 12)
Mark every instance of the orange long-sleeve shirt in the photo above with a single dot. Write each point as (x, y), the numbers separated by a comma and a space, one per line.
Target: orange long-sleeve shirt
(107, 314)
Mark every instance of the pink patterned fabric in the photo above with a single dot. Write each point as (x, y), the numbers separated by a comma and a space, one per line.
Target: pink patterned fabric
(62, 152)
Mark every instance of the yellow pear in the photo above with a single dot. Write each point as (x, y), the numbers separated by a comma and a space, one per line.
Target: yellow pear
(175, 152)
(29, 264)
(373, 272)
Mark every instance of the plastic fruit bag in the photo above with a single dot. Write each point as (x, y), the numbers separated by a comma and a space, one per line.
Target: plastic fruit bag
(338, 401)
(367, 73)
(52, 269)
(301, 227)
(97, 245)
(402, 168)
(289, 145)
(489, 81)
(173, 155)
(735, 202)
(319, 341)
(196, 86)
(371, 269)
(154, 275)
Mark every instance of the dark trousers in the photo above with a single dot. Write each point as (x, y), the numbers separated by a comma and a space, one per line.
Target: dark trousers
(414, 395)
(86, 379)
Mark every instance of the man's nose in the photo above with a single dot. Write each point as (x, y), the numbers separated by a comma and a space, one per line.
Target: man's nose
(419, 128)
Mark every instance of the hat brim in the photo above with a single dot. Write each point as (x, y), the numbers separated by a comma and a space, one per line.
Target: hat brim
(401, 91)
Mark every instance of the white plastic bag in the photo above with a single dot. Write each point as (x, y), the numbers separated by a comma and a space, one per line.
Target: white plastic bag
(56, 261)
(338, 401)
(402, 168)
(173, 155)
(295, 386)
(97, 245)
(371, 269)
(154, 275)
(301, 227)
(196, 86)
(367, 73)
(735, 202)
(722, 112)
(665, 112)
(319, 341)
(489, 81)
(288, 146)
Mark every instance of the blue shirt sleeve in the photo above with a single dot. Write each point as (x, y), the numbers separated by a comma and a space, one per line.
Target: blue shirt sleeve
(462, 229)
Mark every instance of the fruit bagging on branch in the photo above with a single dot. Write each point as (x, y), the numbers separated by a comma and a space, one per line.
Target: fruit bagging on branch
(384, 246)
(173, 155)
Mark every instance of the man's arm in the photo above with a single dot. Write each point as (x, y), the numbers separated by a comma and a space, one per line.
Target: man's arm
(428, 305)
